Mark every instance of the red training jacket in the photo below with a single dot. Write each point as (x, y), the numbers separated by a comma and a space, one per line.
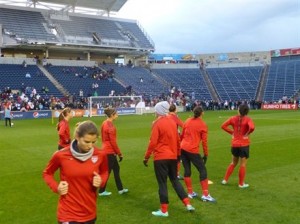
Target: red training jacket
(194, 131)
(79, 203)
(64, 133)
(240, 129)
(109, 138)
(164, 139)
(176, 119)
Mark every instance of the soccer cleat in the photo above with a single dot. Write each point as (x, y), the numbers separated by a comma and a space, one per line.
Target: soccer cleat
(160, 213)
(105, 193)
(190, 208)
(123, 191)
(244, 186)
(192, 195)
(224, 182)
(208, 198)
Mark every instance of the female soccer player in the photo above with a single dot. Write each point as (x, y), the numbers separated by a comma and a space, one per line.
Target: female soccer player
(63, 128)
(174, 116)
(83, 169)
(194, 132)
(240, 127)
(164, 145)
(111, 148)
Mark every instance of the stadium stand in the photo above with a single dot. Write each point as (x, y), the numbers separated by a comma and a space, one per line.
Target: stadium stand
(103, 31)
(79, 78)
(188, 80)
(25, 26)
(141, 80)
(239, 83)
(14, 76)
(283, 78)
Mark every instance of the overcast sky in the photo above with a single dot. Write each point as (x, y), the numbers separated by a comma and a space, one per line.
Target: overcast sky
(217, 26)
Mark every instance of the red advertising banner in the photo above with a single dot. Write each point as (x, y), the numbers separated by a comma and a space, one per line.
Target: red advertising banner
(285, 52)
(279, 107)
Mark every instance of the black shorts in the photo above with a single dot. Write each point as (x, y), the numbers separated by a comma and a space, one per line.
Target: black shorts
(242, 152)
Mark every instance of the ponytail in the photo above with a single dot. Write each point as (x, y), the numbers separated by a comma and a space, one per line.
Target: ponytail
(62, 116)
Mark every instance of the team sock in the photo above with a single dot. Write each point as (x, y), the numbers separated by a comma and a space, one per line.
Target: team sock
(204, 186)
(229, 171)
(188, 183)
(242, 174)
(164, 208)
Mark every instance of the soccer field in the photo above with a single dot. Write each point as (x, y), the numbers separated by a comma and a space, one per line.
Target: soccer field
(272, 172)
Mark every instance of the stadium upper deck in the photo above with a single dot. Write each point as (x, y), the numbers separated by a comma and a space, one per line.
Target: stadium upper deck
(35, 28)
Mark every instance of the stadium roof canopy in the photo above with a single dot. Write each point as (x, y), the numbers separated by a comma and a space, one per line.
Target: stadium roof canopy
(98, 7)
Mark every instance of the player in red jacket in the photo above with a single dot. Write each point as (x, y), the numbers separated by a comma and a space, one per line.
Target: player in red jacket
(164, 146)
(111, 148)
(240, 127)
(63, 128)
(179, 123)
(194, 132)
(83, 169)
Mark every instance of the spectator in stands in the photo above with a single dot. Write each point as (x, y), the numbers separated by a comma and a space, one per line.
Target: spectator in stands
(112, 93)
(194, 132)
(111, 148)
(24, 64)
(226, 106)
(63, 128)
(80, 93)
(27, 75)
(44, 61)
(83, 169)
(193, 96)
(164, 145)
(241, 127)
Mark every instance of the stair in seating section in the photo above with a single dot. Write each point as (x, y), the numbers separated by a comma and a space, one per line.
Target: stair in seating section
(54, 81)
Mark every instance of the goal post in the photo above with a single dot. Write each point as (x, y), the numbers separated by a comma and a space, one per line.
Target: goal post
(123, 104)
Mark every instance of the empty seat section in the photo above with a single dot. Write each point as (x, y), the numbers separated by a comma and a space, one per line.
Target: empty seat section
(283, 79)
(25, 24)
(235, 83)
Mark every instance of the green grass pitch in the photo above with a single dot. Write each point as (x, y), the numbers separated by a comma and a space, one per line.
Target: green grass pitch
(272, 172)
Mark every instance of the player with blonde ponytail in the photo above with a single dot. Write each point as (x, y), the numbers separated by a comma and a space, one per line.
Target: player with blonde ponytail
(63, 128)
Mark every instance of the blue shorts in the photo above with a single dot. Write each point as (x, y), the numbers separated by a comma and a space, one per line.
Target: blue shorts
(242, 152)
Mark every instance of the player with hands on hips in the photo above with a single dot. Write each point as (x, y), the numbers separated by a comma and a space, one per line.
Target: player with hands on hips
(239, 127)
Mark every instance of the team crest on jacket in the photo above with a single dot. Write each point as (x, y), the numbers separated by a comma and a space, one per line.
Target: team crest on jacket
(94, 159)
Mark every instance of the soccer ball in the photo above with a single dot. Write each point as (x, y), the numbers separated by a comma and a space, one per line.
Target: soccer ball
(12, 124)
